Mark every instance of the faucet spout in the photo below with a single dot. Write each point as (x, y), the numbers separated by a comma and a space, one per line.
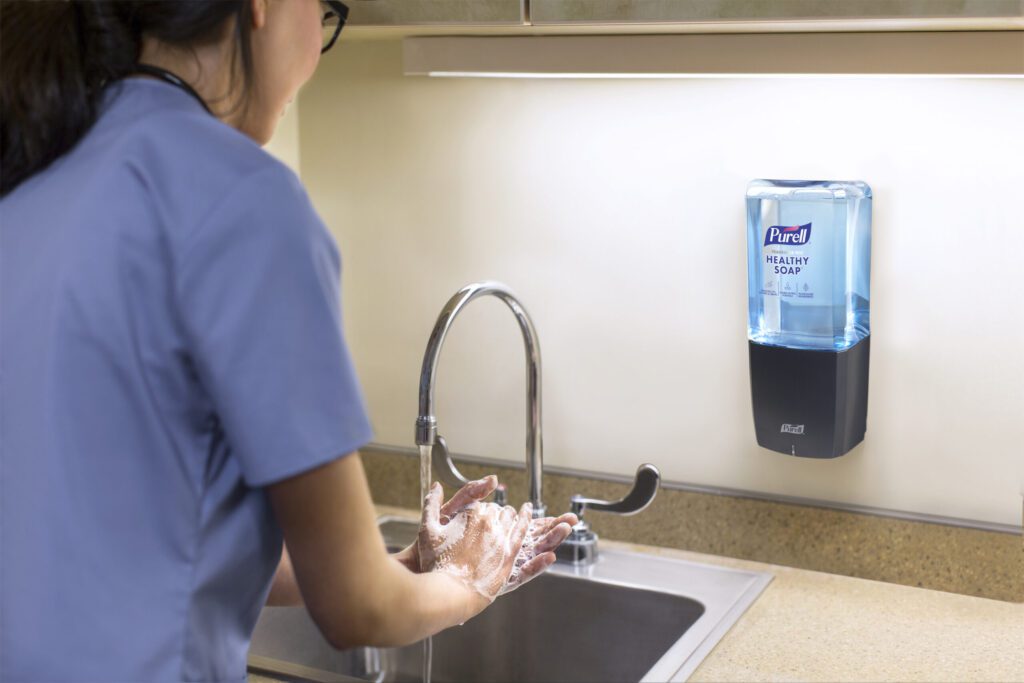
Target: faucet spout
(426, 423)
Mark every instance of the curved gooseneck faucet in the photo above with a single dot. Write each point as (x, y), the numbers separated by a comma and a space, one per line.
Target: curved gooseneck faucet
(426, 423)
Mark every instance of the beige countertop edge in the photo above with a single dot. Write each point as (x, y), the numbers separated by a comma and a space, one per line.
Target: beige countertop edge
(812, 626)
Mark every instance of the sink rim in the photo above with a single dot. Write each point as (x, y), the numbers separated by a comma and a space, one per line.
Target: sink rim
(724, 592)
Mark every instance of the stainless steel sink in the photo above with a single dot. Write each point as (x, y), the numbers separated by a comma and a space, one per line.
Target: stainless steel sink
(629, 617)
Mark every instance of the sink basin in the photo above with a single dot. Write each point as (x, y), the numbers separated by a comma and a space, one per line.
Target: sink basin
(628, 617)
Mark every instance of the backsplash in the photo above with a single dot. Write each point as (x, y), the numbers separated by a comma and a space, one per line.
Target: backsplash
(615, 210)
(982, 563)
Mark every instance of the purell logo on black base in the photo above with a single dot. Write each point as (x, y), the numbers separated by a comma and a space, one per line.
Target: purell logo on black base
(788, 234)
(792, 429)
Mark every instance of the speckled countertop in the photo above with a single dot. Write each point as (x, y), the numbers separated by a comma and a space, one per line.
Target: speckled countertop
(812, 626)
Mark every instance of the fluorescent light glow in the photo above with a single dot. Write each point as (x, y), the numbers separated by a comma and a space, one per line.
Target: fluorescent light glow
(524, 74)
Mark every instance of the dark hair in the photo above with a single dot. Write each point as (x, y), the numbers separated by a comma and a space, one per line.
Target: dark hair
(58, 56)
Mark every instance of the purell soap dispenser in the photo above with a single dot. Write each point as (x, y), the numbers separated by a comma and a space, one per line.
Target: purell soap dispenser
(808, 269)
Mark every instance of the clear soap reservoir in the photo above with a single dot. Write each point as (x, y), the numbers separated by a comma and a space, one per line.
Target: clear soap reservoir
(808, 263)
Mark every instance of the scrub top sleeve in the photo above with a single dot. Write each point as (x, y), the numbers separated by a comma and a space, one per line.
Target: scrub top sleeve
(258, 290)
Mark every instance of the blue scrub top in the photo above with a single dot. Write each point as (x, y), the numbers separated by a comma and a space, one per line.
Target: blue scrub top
(170, 343)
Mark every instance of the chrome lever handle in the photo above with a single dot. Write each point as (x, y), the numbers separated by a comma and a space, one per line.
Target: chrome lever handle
(645, 487)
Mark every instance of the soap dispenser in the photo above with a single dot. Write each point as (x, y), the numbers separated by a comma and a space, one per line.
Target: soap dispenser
(808, 332)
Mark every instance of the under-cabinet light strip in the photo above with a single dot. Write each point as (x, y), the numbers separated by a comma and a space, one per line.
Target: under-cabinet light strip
(962, 54)
(520, 74)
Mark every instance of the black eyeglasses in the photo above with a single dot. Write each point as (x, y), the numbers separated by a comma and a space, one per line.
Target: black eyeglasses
(334, 15)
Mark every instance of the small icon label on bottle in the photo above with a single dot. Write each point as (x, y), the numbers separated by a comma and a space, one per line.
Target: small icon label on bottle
(792, 429)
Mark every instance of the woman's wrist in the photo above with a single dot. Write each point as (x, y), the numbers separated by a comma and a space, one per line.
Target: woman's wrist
(467, 602)
(475, 602)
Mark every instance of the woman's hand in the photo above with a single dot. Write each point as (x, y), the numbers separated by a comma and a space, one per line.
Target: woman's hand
(472, 492)
(477, 544)
(538, 550)
(535, 555)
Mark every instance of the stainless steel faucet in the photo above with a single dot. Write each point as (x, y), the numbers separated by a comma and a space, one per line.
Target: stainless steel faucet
(580, 548)
(426, 423)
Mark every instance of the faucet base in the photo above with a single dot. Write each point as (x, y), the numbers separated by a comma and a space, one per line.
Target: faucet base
(580, 548)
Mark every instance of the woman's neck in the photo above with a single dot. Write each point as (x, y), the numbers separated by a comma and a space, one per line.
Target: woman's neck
(207, 69)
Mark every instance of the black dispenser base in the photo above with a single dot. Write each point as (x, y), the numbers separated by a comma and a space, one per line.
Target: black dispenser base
(812, 404)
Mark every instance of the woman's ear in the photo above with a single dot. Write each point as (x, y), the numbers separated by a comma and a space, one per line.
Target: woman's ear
(259, 13)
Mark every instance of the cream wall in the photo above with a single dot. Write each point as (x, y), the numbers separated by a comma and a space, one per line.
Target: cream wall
(615, 210)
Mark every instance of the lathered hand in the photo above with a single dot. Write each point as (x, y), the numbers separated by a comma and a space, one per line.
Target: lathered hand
(476, 544)
(537, 553)
(442, 542)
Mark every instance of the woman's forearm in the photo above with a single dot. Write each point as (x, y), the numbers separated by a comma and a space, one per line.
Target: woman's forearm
(415, 606)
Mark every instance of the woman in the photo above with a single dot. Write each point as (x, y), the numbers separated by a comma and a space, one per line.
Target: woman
(176, 393)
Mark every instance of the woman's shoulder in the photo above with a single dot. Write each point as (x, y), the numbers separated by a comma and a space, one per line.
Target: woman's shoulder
(194, 149)
(190, 162)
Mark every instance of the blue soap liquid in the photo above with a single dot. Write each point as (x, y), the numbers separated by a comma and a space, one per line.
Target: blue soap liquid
(808, 287)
